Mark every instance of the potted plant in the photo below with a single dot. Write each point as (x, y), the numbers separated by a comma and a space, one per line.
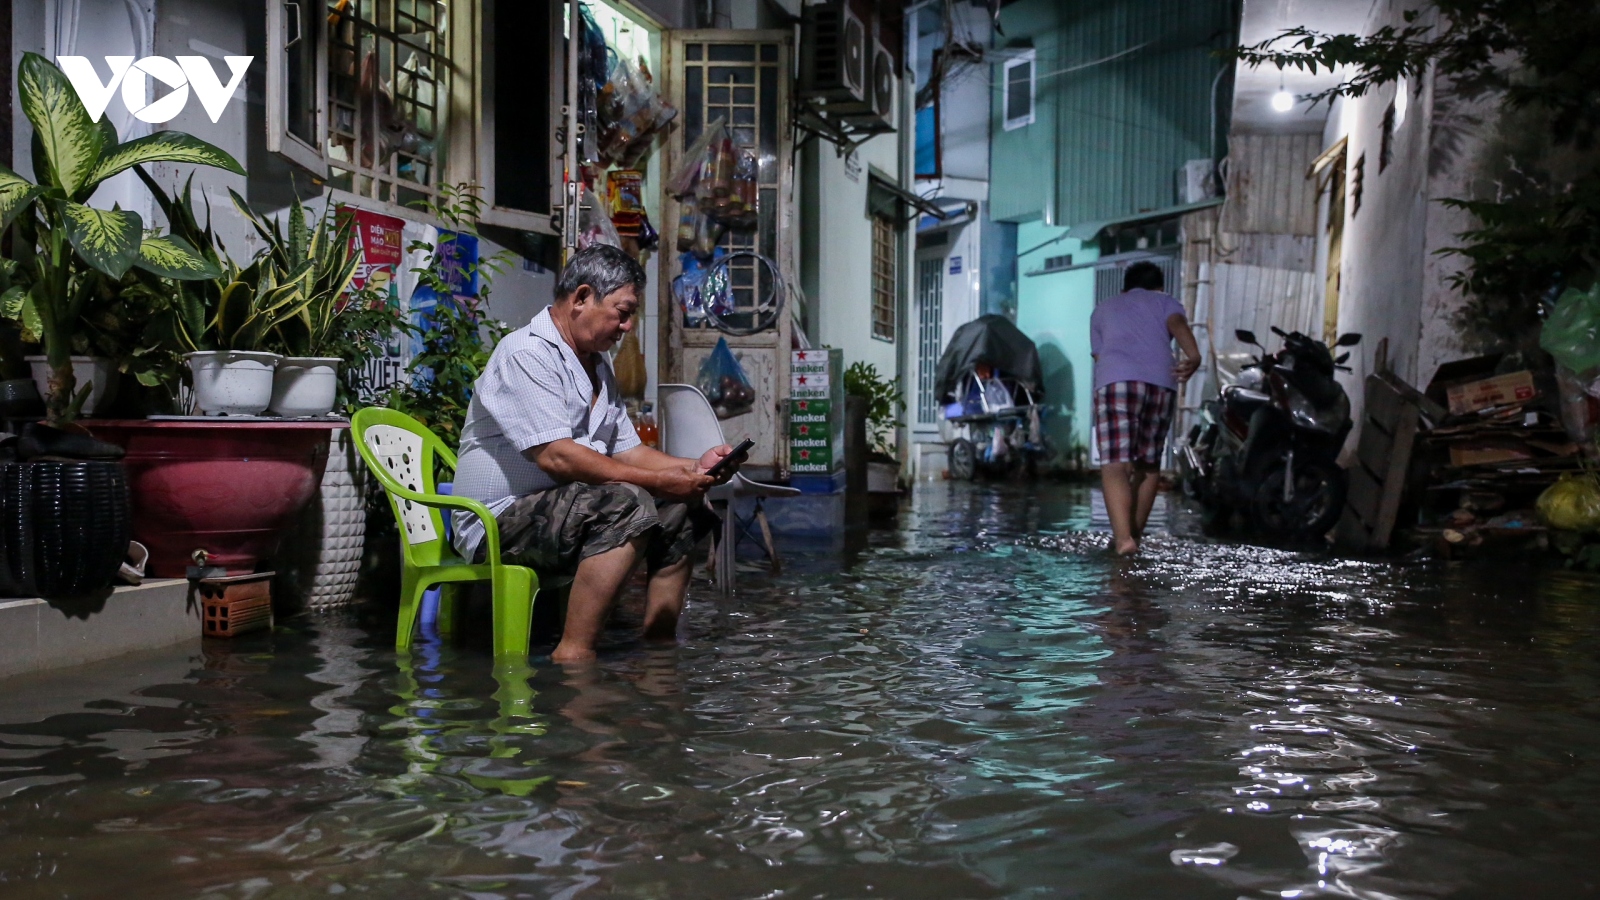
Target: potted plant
(313, 264)
(63, 251)
(884, 405)
(68, 522)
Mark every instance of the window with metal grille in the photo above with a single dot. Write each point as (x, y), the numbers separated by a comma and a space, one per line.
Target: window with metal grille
(388, 76)
(930, 336)
(884, 243)
(360, 92)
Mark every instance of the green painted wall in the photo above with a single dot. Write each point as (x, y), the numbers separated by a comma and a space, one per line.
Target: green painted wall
(1054, 310)
(1109, 137)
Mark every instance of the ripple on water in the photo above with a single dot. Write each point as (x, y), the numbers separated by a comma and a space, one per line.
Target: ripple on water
(980, 703)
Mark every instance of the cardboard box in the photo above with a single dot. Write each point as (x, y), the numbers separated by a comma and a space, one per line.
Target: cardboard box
(1501, 390)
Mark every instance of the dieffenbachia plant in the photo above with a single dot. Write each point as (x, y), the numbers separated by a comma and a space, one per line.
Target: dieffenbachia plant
(62, 246)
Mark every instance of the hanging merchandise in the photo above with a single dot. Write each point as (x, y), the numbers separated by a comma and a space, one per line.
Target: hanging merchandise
(594, 225)
(688, 224)
(594, 70)
(707, 233)
(725, 383)
(649, 238)
(628, 366)
(738, 209)
(624, 196)
(686, 289)
(631, 112)
(689, 288)
(687, 175)
(717, 290)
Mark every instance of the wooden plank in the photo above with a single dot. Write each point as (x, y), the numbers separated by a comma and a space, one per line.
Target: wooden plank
(1383, 458)
(1394, 482)
(1373, 449)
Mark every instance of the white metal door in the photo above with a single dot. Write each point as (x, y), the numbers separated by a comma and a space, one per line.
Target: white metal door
(742, 77)
(930, 337)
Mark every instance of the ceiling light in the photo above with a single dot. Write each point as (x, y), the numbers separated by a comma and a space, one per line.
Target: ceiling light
(1282, 101)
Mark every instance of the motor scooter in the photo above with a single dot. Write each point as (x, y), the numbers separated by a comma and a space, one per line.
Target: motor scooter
(1267, 446)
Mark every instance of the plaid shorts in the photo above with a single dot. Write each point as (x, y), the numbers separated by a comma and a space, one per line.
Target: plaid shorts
(1131, 420)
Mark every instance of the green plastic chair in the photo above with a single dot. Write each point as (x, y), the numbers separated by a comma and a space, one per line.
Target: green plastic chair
(400, 452)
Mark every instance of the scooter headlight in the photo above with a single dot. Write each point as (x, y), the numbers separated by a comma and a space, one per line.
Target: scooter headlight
(1328, 420)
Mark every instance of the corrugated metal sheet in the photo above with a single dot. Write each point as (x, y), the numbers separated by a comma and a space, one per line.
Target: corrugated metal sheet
(1022, 164)
(1258, 298)
(1268, 191)
(1123, 100)
(1126, 126)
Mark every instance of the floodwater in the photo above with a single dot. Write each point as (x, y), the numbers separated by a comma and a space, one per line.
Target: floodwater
(981, 703)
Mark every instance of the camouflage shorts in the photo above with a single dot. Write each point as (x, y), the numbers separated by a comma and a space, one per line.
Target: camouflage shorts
(554, 530)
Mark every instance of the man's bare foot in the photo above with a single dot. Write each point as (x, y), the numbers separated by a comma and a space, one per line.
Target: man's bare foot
(564, 654)
(1127, 547)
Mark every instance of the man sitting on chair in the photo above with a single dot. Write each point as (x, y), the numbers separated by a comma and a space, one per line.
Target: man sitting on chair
(549, 449)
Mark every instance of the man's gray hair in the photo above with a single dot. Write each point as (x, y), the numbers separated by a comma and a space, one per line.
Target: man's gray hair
(604, 268)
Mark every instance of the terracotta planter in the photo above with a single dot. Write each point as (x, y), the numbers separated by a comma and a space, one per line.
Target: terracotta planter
(229, 488)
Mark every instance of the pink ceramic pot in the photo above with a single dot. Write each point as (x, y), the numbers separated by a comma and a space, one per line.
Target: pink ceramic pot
(226, 487)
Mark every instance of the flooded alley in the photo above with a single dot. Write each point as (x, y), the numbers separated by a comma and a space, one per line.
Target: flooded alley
(982, 702)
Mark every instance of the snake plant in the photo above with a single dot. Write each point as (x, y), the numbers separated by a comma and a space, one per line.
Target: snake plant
(62, 247)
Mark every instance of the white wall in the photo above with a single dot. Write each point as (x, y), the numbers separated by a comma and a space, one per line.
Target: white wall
(1394, 279)
(844, 254)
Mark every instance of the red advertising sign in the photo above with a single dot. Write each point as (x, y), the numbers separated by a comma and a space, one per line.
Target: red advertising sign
(377, 238)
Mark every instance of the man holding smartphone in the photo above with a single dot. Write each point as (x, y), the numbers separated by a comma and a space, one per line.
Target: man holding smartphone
(549, 448)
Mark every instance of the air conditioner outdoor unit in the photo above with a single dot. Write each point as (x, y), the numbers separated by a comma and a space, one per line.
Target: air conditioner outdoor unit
(833, 57)
(880, 91)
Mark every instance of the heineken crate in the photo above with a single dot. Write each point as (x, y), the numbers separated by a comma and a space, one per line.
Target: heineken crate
(803, 410)
(811, 459)
(816, 411)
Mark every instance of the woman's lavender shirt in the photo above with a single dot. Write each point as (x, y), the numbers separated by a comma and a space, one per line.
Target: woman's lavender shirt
(1129, 338)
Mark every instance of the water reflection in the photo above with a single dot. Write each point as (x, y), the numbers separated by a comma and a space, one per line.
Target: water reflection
(981, 703)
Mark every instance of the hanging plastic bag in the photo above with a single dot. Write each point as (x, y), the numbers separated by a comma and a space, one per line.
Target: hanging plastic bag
(717, 290)
(1573, 503)
(737, 208)
(686, 290)
(708, 232)
(594, 223)
(631, 110)
(683, 180)
(1572, 333)
(724, 383)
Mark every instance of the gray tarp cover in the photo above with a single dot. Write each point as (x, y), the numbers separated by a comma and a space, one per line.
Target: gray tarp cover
(994, 341)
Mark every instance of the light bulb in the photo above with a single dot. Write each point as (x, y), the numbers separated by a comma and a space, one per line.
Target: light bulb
(1282, 101)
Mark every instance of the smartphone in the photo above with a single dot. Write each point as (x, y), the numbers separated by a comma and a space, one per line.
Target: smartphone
(737, 455)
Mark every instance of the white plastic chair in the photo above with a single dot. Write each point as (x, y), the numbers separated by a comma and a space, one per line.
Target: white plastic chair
(689, 428)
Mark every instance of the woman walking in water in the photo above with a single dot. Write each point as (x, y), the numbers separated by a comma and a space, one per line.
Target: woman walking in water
(1135, 386)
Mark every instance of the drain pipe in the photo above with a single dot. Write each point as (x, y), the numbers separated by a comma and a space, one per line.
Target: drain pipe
(1215, 83)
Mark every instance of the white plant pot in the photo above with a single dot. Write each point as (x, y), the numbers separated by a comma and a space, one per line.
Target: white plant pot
(305, 385)
(883, 478)
(85, 369)
(232, 382)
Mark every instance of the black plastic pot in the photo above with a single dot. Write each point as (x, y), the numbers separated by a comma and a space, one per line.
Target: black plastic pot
(64, 527)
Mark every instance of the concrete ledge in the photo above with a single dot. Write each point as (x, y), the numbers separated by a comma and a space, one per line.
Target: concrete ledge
(36, 635)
